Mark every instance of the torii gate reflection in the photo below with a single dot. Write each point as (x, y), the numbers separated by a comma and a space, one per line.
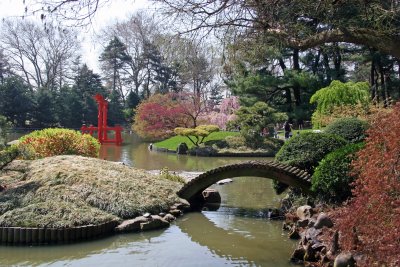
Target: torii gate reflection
(102, 127)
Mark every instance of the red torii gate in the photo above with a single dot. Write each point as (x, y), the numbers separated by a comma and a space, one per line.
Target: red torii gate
(102, 127)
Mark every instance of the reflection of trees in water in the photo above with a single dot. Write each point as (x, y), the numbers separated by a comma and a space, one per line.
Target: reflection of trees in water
(238, 244)
(37, 255)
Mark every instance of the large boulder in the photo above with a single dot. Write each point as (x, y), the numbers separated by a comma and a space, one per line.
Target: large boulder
(211, 196)
(344, 259)
(156, 222)
(304, 212)
(131, 225)
(323, 220)
(182, 149)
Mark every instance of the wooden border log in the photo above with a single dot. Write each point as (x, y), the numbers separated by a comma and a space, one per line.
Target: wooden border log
(22, 236)
(17, 235)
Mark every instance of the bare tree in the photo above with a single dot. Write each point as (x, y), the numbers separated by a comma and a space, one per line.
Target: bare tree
(42, 56)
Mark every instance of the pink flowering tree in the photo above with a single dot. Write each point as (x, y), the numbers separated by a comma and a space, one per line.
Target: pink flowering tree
(223, 113)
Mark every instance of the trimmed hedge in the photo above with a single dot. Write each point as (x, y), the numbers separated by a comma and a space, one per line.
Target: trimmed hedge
(306, 150)
(332, 179)
(351, 129)
(54, 141)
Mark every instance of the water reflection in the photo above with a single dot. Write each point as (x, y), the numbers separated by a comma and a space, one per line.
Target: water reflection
(136, 153)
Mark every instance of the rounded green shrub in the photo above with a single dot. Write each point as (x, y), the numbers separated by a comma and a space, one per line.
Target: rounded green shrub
(306, 150)
(235, 141)
(332, 179)
(351, 129)
(54, 141)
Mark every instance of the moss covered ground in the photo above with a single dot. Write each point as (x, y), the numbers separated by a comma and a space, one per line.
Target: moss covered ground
(65, 191)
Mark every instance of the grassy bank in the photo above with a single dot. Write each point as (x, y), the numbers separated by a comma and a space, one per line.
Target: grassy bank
(173, 142)
(68, 191)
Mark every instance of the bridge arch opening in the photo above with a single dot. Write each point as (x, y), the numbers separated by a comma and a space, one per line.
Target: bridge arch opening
(292, 176)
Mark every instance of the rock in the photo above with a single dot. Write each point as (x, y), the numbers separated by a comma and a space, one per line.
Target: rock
(182, 149)
(344, 259)
(224, 181)
(323, 220)
(176, 212)
(298, 255)
(304, 212)
(294, 234)
(147, 215)
(302, 223)
(169, 217)
(211, 196)
(335, 243)
(309, 253)
(183, 205)
(286, 226)
(131, 225)
(203, 151)
(312, 234)
(162, 214)
(155, 223)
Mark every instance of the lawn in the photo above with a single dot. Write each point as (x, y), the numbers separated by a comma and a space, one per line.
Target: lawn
(173, 142)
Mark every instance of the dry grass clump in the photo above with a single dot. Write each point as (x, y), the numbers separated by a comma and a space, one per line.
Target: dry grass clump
(67, 191)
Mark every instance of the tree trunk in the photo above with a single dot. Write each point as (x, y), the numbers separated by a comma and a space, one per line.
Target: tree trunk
(296, 87)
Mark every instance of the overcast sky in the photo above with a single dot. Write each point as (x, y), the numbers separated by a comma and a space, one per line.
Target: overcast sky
(115, 10)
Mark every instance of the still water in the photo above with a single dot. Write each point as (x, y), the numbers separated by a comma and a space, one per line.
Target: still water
(237, 234)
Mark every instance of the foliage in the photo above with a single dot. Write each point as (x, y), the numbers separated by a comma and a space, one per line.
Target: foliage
(356, 111)
(53, 141)
(252, 120)
(5, 128)
(370, 223)
(235, 141)
(166, 174)
(339, 94)
(306, 150)
(157, 117)
(7, 155)
(16, 101)
(351, 129)
(332, 178)
(173, 142)
(198, 134)
(223, 113)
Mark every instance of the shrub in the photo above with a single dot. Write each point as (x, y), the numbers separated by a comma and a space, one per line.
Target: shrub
(7, 155)
(370, 223)
(53, 141)
(351, 129)
(332, 178)
(235, 141)
(306, 150)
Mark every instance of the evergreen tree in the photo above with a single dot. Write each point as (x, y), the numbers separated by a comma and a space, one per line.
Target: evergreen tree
(114, 58)
(16, 101)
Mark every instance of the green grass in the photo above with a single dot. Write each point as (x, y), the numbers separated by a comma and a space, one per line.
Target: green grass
(173, 142)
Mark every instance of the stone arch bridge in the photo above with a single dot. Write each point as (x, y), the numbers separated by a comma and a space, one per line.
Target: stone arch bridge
(292, 176)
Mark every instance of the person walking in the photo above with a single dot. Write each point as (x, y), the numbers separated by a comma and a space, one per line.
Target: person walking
(288, 129)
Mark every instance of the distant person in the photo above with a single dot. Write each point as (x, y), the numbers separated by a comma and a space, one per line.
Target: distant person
(264, 132)
(300, 122)
(288, 129)
(276, 128)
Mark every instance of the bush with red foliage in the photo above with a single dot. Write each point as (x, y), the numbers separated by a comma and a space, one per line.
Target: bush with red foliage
(370, 223)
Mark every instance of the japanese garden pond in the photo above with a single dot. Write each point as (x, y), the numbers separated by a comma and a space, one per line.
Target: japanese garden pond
(236, 234)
